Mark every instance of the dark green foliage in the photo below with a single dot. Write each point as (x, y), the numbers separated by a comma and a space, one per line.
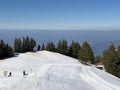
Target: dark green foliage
(74, 49)
(111, 61)
(118, 51)
(32, 44)
(86, 54)
(25, 45)
(118, 61)
(5, 50)
(2, 46)
(39, 47)
(81, 55)
(50, 46)
(17, 45)
(62, 47)
(98, 59)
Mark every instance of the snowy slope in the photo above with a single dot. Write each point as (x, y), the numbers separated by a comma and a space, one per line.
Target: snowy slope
(53, 71)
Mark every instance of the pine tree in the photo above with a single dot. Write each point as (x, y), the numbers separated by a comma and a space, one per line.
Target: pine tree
(5, 50)
(111, 61)
(62, 47)
(118, 51)
(28, 44)
(39, 47)
(81, 55)
(32, 44)
(23, 45)
(50, 46)
(98, 59)
(2, 46)
(74, 49)
(8, 51)
(86, 53)
(17, 45)
(118, 62)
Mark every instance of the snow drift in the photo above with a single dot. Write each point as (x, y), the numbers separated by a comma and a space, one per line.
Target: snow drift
(53, 71)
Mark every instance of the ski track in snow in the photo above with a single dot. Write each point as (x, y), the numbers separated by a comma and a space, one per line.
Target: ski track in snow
(53, 71)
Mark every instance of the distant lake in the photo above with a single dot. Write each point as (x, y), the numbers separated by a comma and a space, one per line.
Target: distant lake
(98, 39)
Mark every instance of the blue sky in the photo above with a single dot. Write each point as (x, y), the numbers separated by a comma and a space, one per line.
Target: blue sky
(59, 14)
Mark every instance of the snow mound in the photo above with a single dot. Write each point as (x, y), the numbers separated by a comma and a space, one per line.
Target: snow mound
(52, 71)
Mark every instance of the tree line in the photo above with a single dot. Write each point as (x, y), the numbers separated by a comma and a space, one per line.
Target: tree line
(20, 46)
(84, 53)
(25, 45)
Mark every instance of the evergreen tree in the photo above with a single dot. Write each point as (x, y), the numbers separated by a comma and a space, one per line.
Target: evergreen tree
(81, 55)
(111, 61)
(74, 49)
(28, 44)
(50, 46)
(86, 53)
(5, 50)
(118, 62)
(23, 45)
(39, 47)
(118, 51)
(98, 59)
(17, 45)
(62, 47)
(32, 44)
(8, 51)
(2, 46)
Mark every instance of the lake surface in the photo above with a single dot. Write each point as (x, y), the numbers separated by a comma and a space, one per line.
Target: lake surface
(98, 39)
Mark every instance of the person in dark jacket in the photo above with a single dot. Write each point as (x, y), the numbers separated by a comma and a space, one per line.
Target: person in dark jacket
(10, 74)
(24, 73)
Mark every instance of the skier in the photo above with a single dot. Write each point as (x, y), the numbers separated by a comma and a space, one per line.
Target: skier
(10, 74)
(24, 73)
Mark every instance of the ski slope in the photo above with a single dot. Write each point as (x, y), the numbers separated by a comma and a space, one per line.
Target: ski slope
(52, 71)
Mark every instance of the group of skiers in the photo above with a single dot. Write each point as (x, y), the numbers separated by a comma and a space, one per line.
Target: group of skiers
(24, 74)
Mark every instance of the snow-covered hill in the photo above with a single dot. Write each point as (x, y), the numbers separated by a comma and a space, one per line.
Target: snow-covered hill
(53, 71)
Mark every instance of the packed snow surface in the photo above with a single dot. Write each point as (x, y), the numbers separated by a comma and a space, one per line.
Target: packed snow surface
(53, 71)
